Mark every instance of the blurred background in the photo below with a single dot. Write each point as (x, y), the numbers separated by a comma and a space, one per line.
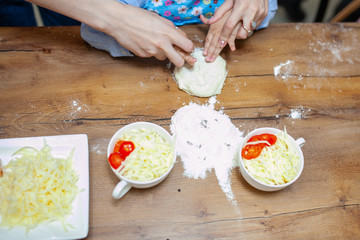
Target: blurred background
(303, 10)
(22, 13)
(316, 10)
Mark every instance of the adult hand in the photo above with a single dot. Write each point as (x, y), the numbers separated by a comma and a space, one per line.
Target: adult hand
(146, 34)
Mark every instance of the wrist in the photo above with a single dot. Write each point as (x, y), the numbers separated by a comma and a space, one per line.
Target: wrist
(103, 14)
(95, 13)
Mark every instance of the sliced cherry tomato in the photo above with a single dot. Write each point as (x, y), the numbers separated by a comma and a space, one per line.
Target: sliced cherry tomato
(115, 160)
(251, 151)
(117, 146)
(255, 138)
(271, 138)
(124, 148)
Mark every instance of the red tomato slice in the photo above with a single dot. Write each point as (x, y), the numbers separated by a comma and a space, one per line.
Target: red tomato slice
(115, 160)
(251, 151)
(271, 138)
(255, 138)
(117, 146)
(124, 148)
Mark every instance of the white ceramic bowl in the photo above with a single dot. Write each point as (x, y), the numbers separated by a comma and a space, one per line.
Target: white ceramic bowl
(125, 184)
(296, 144)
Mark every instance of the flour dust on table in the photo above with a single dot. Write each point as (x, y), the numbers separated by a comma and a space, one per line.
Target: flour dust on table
(206, 139)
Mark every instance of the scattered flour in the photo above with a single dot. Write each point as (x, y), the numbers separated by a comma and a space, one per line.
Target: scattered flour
(76, 109)
(97, 149)
(283, 70)
(298, 113)
(142, 84)
(198, 39)
(76, 105)
(206, 139)
(330, 52)
(295, 114)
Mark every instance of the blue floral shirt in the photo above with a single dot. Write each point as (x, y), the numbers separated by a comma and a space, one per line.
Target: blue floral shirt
(183, 12)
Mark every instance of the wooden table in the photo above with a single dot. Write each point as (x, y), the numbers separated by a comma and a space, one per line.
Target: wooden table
(53, 83)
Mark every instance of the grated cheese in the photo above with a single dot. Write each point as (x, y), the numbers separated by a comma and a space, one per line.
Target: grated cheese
(151, 158)
(277, 164)
(36, 188)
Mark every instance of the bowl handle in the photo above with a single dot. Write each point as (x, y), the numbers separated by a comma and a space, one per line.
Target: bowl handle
(300, 142)
(121, 189)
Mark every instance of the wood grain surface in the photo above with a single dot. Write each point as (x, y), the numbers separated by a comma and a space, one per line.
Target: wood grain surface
(53, 83)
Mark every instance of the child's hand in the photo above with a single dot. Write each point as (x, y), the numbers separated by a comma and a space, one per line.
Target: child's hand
(212, 48)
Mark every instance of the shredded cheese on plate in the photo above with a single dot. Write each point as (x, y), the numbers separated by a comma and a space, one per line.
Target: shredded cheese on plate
(37, 188)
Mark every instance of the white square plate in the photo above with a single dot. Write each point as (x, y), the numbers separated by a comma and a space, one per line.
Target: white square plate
(61, 146)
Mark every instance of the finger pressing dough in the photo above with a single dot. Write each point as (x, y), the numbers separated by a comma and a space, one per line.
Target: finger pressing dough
(203, 79)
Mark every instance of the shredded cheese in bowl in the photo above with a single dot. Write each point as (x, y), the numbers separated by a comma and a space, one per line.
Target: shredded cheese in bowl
(36, 188)
(151, 158)
(277, 164)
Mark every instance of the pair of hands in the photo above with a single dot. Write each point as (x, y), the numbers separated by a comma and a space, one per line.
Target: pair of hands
(151, 35)
(146, 34)
(232, 20)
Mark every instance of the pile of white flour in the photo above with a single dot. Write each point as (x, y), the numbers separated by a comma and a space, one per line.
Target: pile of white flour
(206, 139)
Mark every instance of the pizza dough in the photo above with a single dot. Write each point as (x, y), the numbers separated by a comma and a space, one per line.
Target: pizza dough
(203, 79)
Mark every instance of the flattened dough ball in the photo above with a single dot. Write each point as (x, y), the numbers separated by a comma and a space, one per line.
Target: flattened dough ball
(203, 79)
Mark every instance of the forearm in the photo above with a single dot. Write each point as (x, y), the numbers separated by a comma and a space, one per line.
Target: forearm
(92, 12)
(140, 31)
